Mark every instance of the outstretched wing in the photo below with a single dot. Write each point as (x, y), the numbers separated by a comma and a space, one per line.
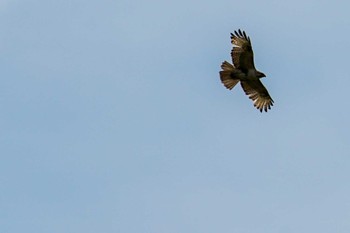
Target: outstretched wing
(242, 52)
(258, 93)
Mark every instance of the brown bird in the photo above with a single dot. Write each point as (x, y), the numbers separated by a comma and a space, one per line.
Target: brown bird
(243, 70)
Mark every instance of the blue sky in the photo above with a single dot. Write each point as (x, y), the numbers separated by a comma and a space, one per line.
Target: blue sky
(113, 118)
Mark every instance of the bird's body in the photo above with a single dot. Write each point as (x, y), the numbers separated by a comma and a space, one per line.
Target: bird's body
(243, 71)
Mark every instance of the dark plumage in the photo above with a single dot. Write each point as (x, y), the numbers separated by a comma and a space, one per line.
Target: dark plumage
(243, 70)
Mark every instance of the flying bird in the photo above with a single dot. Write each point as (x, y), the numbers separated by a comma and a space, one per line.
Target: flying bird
(243, 71)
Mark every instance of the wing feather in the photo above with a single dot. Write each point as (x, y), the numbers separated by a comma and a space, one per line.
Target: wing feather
(242, 52)
(258, 93)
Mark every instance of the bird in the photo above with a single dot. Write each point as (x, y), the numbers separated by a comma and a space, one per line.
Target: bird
(243, 70)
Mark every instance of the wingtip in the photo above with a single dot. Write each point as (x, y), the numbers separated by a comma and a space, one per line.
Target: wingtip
(240, 34)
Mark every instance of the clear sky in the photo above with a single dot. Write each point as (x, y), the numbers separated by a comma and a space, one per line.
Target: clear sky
(113, 117)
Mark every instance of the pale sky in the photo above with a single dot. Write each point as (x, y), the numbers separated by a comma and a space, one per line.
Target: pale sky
(113, 118)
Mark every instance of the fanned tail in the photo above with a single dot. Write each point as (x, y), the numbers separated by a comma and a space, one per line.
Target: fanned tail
(228, 74)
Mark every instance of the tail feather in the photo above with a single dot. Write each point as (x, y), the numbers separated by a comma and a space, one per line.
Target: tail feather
(227, 74)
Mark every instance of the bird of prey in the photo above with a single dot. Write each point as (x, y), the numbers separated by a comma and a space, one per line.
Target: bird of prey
(243, 70)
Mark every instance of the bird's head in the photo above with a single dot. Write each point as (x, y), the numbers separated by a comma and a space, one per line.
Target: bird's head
(260, 74)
